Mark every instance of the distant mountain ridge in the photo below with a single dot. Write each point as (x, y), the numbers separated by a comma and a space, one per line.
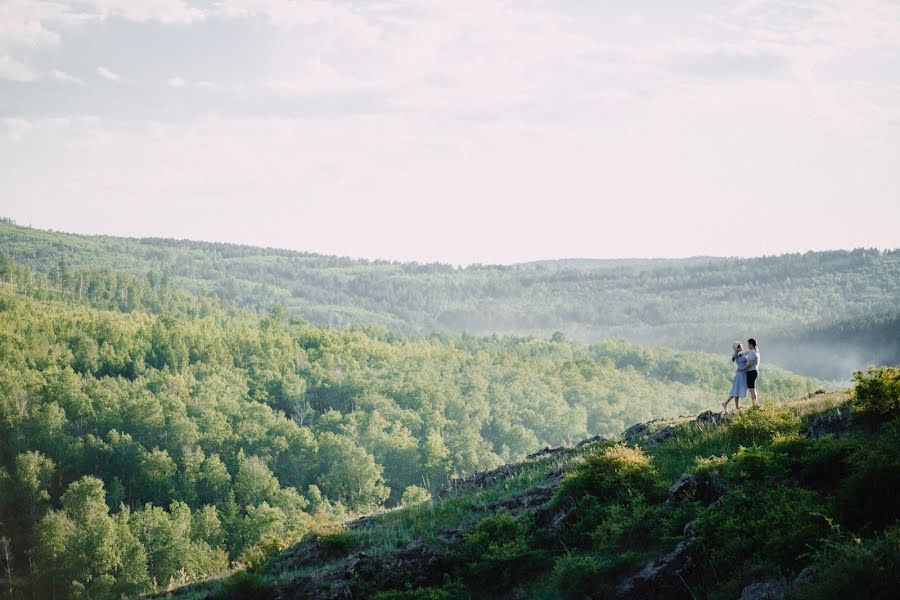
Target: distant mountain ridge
(700, 303)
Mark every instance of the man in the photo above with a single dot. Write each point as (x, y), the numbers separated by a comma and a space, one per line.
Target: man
(752, 368)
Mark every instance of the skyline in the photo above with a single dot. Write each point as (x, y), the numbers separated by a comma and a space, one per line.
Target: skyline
(490, 132)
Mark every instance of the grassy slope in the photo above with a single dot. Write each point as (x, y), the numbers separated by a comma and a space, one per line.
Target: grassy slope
(788, 498)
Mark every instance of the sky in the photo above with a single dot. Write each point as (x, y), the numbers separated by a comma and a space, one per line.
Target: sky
(457, 131)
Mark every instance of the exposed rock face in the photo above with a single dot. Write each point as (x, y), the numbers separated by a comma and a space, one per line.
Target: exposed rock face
(714, 418)
(664, 578)
(772, 589)
(415, 564)
(664, 434)
(837, 422)
(692, 486)
(806, 577)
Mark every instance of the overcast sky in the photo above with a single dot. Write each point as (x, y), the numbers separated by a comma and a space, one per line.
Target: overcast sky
(459, 131)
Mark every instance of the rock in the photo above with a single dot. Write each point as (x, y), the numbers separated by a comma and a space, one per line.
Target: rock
(837, 422)
(591, 440)
(636, 430)
(664, 434)
(690, 528)
(547, 451)
(554, 518)
(662, 578)
(527, 500)
(692, 486)
(772, 589)
(805, 578)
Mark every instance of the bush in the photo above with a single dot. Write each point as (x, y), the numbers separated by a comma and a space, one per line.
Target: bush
(854, 569)
(614, 473)
(451, 590)
(870, 495)
(764, 532)
(759, 425)
(414, 494)
(499, 552)
(878, 391)
(244, 586)
(580, 576)
(756, 464)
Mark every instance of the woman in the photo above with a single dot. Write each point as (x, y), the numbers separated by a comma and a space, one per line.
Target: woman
(739, 385)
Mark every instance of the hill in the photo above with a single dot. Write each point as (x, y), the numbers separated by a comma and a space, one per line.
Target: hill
(696, 304)
(151, 437)
(773, 502)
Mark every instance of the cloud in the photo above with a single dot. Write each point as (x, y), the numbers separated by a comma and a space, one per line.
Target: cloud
(726, 63)
(16, 128)
(107, 74)
(66, 77)
(15, 70)
(175, 82)
(168, 12)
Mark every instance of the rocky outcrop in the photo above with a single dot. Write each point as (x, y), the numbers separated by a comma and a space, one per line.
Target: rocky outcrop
(773, 589)
(693, 486)
(837, 422)
(414, 564)
(664, 578)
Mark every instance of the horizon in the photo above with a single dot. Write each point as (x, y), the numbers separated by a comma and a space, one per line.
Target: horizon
(14, 222)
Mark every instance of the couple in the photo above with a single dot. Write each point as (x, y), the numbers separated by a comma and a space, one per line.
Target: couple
(745, 377)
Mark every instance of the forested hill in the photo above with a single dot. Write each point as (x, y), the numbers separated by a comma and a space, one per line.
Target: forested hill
(698, 303)
(151, 437)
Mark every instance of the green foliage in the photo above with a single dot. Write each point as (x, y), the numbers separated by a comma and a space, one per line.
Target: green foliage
(499, 552)
(414, 494)
(851, 568)
(244, 585)
(577, 576)
(613, 473)
(878, 391)
(870, 494)
(452, 590)
(759, 425)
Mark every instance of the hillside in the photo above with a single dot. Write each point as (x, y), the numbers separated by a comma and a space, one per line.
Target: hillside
(695, 304)
(151, 437)
(776, 502)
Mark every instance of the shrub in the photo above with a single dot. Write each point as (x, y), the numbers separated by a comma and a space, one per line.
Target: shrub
(414, 494)
(826, 462)
(756, 464)
(244, 586)
(854, 569)
(613, 473)
(499, 551)
(764, 531)
(759, 425)
(451, 590)
(870, 495)
(580, 576)
(878, 391)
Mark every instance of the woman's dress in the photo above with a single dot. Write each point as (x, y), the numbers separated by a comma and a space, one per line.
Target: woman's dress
(739, 385)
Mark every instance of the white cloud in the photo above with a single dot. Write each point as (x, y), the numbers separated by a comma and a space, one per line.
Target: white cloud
(16, 128)
(15, 70)
(66, 77)
(175, 82)
(169, 12)
(107, 74)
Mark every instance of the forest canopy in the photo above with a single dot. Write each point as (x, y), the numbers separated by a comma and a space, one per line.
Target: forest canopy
(846, 299)
(150, 436)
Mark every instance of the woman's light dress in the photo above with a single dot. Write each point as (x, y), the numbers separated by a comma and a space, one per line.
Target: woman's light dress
(739, 385)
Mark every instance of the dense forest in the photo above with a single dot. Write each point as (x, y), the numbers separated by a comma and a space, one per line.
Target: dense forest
(151, 437)
(801, 306)
(794, 501)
